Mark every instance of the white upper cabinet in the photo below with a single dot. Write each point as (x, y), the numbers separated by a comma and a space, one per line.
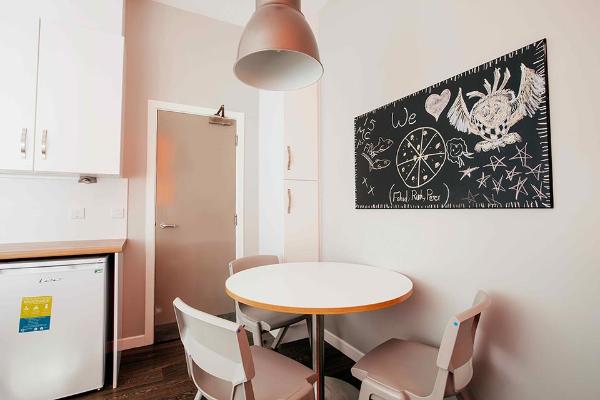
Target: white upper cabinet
(80, 80)
(18, 68)
(301, 134)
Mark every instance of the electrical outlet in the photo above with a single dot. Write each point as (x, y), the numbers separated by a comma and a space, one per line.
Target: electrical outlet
(117, 213)
(78, 213)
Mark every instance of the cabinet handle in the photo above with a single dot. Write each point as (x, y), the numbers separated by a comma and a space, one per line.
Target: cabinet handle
(23, 143)
(289, 153)
(289, 210)
(44, 143)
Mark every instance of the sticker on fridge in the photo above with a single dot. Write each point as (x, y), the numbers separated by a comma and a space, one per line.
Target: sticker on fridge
(35, 314)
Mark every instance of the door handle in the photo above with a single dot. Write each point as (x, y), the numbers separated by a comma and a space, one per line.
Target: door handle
(163, 226)
(289, 207)
(289, 154)
(44, 143)
(23, 146)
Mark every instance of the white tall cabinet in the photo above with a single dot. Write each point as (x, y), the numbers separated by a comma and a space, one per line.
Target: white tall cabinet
(60, 88)
(301, 186)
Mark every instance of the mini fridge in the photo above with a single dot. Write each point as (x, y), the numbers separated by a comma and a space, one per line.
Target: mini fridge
(52, 327)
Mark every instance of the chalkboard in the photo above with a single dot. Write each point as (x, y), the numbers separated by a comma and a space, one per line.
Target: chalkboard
(480, 139)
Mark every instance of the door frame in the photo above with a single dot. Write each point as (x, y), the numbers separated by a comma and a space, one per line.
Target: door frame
(154, 106)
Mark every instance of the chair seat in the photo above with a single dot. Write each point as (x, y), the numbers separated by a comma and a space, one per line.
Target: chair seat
(400, 365)
(270, 319)
(280, 377)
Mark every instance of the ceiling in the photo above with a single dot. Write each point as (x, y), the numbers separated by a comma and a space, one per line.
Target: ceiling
(237, 12)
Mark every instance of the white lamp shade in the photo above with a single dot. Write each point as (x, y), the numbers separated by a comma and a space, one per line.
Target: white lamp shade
(278, 50)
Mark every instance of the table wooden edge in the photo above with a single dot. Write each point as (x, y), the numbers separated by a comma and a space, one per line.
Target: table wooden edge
(321, 311)
(58, 249)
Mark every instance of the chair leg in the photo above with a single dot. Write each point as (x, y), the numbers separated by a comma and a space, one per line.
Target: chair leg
(310, 332)
(279, 337)
(256, 334)
(364, 394)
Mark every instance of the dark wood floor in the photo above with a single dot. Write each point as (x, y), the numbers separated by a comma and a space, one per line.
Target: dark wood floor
(158, 372)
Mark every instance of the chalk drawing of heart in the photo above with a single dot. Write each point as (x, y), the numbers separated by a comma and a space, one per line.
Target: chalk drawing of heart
(436, 103)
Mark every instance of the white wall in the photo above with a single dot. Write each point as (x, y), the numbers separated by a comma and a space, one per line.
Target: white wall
(40, 209)
(541, 338)
(270, 172)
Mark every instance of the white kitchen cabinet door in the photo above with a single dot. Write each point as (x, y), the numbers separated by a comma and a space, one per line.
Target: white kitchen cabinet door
(301, 221)
(18, 68)
(80, 80)
(301, 132)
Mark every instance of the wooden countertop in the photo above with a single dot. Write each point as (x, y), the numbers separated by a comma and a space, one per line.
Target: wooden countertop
(13, 251)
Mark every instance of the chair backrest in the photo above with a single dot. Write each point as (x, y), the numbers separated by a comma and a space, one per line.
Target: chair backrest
(217, 352)
(456, 349)
(244, 263)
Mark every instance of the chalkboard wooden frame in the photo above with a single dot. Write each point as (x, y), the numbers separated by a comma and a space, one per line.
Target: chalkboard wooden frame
(480, 139)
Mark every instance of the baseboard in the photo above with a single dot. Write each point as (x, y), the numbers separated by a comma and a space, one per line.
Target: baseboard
(346, 348)
(132, 342)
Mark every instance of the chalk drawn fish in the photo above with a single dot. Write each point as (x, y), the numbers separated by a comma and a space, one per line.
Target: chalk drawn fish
(371, 151)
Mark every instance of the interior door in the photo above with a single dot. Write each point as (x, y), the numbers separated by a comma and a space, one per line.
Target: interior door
(195, 213)
(79, 100)
(18, 69)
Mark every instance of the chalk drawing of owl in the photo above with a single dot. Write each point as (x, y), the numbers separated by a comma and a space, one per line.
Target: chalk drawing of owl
(496, 112)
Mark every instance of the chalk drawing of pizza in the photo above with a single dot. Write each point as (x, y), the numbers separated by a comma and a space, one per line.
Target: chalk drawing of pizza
(420, 156)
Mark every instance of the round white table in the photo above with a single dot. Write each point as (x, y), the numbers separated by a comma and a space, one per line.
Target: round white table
(319, 288)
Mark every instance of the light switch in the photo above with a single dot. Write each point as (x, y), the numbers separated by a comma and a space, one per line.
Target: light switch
(78, 213)
(117, 213)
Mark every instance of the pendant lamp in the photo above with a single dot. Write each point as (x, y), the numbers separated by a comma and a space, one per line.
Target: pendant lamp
(278, 50)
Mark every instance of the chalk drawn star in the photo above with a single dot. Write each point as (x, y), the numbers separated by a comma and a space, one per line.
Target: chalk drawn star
(537, 171)
(521, 155)
(483, 180)
(467, 172)
(364, 182)
(371, 191)
(539, 194)
(512, 173)
(519, 188)
(496, 162)
(471, 198)
(492, 202)
(498, 185)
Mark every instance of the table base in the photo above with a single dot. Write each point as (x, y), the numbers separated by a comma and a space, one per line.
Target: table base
(327, 388)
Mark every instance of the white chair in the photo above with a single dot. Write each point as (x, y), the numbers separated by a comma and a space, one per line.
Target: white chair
(223, 366)
(257, 320)
(405, 370)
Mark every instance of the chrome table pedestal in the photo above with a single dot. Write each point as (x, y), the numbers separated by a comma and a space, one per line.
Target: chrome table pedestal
(327, 388)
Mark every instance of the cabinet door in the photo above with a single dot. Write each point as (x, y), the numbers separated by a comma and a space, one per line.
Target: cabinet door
(18, 50)
(80, 76)
(301, 134)
(301, 221)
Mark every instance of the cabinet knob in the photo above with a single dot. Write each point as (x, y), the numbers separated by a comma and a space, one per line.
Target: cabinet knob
(23, 144)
